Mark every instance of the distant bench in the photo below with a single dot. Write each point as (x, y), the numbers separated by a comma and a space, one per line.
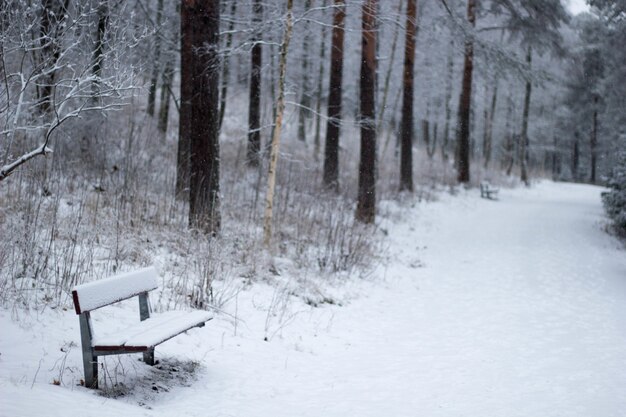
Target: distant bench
(488, 191)
(140, 337)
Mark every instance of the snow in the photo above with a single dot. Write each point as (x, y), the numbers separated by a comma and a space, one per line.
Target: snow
(485, 308)
(100, 293)
(156, 329)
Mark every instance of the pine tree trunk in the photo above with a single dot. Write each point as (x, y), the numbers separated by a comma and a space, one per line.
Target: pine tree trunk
(304, 110)
(366, 205)
(164, 110)
(406, 129)
(226, 64)
(524, 137)
(204, 210)
(331, 151)
(463, 129)
(186, 90)
(489, 128)
(320, 79)
(383, 106)
(280, 108)
(98, 52)
(157, 61)
(594, 140)
(448, 109)
(254, 107)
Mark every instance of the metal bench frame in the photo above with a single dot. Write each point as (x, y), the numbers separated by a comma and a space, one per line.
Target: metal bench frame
(486, 191)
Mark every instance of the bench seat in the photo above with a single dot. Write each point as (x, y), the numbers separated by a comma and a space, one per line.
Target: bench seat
(146, 334)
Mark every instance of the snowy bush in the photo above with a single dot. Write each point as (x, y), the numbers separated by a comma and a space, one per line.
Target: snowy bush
(615, 200)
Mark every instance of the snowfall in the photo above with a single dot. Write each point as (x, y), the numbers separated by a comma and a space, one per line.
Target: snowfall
(514, 307)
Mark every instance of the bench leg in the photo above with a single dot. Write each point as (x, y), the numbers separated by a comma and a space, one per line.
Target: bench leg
(90, 364)
(148, 357)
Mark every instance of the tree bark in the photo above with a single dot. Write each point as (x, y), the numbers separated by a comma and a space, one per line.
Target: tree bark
(463, 129)
(164, 110)
(489, 127)
(406, 125)
(186, 90)
(594, 140)
(226, 64)
(157, 60)
(98, 52)
(304, 109)
(524, 137)
(280, 108)
(366, 204)
(331, 151)
(318, 106)
(448, 98)
(254, 107)
(204, 211)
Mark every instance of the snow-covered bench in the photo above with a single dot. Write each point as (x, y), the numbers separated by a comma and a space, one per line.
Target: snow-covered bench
(488, 191)
(140, 337)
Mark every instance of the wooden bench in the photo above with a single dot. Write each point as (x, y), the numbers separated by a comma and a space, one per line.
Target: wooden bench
(488, 191)
(143, 336)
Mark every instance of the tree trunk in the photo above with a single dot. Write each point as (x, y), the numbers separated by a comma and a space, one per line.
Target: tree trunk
(164, 110)
(406, 125)
(575, 157)
(463, 140)
(320, 79)
(391, 66)
(204, 211)
(157, 60)
(98, 52)
(524, 137)
(366, 205)
(254, 107)
(594, 139)
(186, 91)
(226, 64)
(53, 15)
(448, 109)
(280, 108)
(331, 151)
(304, 110)
(489, 127)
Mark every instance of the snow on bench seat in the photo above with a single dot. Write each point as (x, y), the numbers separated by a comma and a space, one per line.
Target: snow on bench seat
(151, 332)
(101, 293)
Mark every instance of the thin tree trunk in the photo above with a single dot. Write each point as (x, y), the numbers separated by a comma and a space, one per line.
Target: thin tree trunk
(186, 91)
(164, 110)
(320, 79)
(331, 151)
(280, 108)
(463, 140)
(204, 211)
(304, 110)
(254, 107)
(226, 64)
(524, 138)
(98, 52)
(433, 148)
(157, 60)
(489, 128)
(53, 14)
(406, 129)
(448, 109)
(575, 157)
(366, 205)
(383, 107)
(594, 139)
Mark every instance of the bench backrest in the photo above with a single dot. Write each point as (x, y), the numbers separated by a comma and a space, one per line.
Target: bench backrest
(107, 291)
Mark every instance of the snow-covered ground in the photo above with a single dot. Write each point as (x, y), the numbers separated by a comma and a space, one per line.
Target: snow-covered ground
(485, 308)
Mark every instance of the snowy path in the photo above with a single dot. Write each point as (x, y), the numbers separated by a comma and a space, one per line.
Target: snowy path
(507, 308)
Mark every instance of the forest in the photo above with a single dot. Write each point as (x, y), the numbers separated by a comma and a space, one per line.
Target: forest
(239, 144)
